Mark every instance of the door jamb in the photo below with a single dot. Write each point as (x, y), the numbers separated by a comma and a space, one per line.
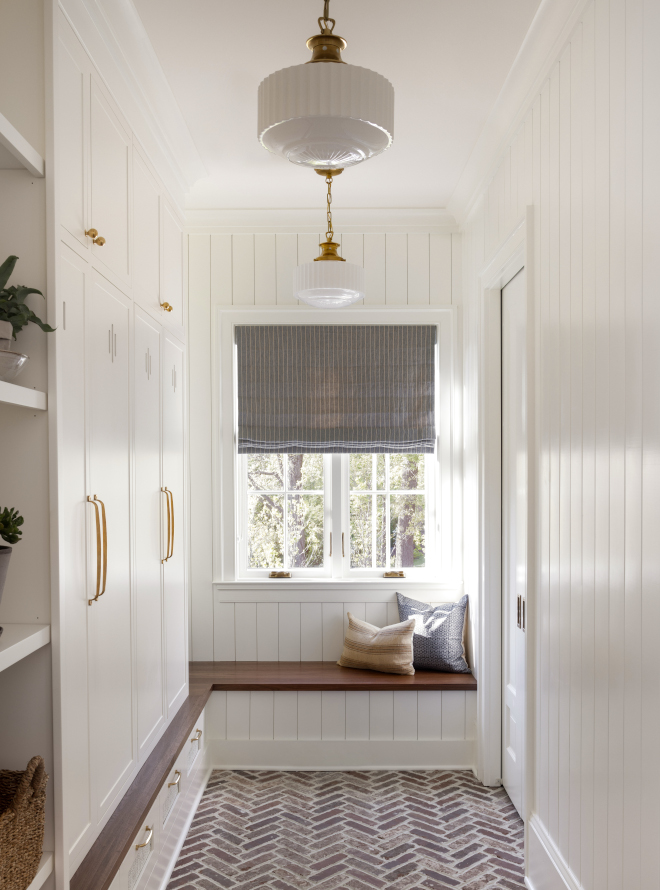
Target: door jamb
(514, 255)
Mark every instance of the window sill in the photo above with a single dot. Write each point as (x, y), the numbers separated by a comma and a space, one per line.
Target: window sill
(335, 590)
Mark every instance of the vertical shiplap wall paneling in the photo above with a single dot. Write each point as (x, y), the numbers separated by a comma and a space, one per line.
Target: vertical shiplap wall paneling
(289, 630)
(650, 563)
(199, 396)
(221, 270)
(265, 270)
(585, 159)
(286, 259)
(243, 270)
(396, 270)
(441, 280)
(374, 270)
(311, 631)
(419, 267)
(352, 250)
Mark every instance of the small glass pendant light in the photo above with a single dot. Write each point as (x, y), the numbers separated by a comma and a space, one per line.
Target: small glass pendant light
(329, 282)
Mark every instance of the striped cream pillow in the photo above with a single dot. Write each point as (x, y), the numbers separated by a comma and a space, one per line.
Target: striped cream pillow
(386, 649)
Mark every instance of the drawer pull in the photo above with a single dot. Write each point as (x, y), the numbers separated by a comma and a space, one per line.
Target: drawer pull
(198, 735)
(148, 840)
(176, 781)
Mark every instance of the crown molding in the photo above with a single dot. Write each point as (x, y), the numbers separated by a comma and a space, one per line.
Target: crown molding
(115, 38)
(550, 31)
(300, 220)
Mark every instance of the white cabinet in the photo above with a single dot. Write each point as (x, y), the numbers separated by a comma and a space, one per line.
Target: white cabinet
(108, 410)
(172, 290)
(110, 153)
(148, 500)
(146, 237)
(174, 481)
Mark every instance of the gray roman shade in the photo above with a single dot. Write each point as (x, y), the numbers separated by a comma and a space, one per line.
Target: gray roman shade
(336, 388)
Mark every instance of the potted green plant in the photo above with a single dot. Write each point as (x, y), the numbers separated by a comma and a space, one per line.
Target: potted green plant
(10, 531)
(14, 315)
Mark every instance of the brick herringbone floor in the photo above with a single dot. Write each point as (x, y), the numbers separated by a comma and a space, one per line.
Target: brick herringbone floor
(351, 831)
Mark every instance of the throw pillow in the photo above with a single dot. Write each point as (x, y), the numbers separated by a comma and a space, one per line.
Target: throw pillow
(438, 639)
(385, 649)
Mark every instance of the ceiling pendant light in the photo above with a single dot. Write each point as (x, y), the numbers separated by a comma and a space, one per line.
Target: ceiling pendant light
(329, 282)
(325, 113)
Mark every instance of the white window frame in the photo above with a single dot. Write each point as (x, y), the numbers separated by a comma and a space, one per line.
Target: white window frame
(444, 555)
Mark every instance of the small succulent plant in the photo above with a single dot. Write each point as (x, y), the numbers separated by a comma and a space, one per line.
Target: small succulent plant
(10, 525)
(12, 301)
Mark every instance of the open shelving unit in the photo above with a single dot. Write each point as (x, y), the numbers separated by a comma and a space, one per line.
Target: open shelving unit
(20, 640)
(12, 394)
(16, 152)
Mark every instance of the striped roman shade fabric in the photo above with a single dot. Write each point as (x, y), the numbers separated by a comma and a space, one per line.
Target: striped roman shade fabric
(336, 388)
(386, 649)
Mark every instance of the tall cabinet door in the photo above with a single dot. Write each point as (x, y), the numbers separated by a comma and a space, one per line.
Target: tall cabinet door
(110, 644)
(174, 481)
(110, 143)
(147, 554)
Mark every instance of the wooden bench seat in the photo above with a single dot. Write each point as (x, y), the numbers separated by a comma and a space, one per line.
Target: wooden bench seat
(315, 676)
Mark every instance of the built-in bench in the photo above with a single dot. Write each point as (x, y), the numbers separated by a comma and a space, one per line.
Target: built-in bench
(265, 693)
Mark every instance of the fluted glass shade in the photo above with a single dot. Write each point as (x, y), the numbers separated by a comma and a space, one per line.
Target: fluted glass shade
(328, 285)
(326, 115)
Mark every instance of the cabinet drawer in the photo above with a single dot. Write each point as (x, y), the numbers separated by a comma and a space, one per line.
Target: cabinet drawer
(174, 789)
(143, 854)
(195, 744)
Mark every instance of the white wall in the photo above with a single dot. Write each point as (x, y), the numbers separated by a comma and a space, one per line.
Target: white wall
(256, 269)
(586, 158)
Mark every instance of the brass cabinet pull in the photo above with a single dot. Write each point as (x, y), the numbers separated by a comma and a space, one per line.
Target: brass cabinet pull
(148, 840)
(98, 550)
(176, 781)
(101, 548)
(96, 238)
(166, 306)
(170, 523)
(198, 735)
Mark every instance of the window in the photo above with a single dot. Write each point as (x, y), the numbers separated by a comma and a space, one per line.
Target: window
(378, 517)
(344, 514)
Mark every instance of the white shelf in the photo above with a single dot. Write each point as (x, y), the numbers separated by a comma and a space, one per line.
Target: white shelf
(21, 395)
(20, 640)
(16, 152)
(45, 869)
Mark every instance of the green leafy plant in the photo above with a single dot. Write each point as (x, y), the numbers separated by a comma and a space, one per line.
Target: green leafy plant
(10, 525)
(12, 301)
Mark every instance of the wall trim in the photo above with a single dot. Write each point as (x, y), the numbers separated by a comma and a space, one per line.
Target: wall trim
(340, 755)
(546, 867)
(302, 220)
(115, 38)
(550, 31)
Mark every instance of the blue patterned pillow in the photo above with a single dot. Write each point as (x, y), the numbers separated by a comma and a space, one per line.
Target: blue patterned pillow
(438, 639)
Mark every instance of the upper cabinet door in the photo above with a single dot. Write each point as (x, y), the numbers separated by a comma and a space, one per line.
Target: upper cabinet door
(110, 143)
(146, 235)
(72, 136)
(172, 280)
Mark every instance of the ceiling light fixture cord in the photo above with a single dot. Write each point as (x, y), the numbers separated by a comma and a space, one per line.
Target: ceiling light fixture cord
(325, 19)
(330, 233)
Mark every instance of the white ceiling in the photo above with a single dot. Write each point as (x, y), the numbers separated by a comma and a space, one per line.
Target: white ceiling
(447, 61)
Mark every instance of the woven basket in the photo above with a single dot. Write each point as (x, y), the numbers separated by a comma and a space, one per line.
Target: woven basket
(22, 804)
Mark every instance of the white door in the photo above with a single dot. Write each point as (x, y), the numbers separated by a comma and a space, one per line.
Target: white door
(514, 533)
(110, 142)
(147, 555)
(172, 279)
(108, 406)
(146, 235)
(173, 480)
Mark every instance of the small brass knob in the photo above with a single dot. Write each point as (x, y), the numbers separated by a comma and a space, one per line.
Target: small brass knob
(94, 235)
(166, 307)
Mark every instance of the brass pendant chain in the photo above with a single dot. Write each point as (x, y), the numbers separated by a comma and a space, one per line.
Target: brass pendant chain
(325, 20)
(330, 232)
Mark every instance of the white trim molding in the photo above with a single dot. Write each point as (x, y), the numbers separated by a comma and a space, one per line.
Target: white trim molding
(550, 31)
(546, 867)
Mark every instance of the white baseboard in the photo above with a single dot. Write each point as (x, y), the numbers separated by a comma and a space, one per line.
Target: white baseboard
(337, 755)
(546, 867)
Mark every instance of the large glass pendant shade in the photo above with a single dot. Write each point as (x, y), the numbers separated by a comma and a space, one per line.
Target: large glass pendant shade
(326, 115)
(328, 285)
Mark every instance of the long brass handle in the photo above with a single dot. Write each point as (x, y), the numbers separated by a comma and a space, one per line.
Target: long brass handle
(169, 521)
(171, 554)
(342, 544)
(198, 735)
(105, 544)
(98, 550)
(148, 840)
(176, 781)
